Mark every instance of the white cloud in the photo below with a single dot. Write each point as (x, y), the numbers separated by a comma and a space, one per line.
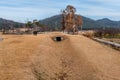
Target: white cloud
(21, 14)
(108, 2)
(20, 10)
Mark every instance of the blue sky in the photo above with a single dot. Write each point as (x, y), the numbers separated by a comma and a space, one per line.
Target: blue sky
(24, 10)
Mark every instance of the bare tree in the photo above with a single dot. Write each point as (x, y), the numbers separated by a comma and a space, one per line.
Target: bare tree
(70, 21)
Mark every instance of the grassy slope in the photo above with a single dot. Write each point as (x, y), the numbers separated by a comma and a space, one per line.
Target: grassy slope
(28, 57)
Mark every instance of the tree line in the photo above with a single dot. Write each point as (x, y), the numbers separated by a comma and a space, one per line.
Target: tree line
(29, 26)
(108, 33)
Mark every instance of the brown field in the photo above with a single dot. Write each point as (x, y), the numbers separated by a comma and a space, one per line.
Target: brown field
(28, 57)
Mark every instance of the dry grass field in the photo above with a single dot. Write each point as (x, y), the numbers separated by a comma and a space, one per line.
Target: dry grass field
(29, 57)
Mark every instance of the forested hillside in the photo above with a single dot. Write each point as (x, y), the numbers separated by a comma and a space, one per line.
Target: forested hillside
(9, 23)
(55, 22)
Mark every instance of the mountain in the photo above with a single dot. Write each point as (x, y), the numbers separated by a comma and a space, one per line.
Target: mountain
(109, 23)
(52, 22)
(90, 23)
(55, 22)
(9, 23)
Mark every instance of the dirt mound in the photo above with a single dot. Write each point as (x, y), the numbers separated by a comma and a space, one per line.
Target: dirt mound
(42, 58)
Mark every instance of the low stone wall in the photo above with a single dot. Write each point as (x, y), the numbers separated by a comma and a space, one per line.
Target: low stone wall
(113, 44)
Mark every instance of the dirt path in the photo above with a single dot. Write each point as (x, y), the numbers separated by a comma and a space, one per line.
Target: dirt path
(31, 57)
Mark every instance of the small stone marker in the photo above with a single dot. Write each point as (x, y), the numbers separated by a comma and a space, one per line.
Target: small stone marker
(1, 38)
